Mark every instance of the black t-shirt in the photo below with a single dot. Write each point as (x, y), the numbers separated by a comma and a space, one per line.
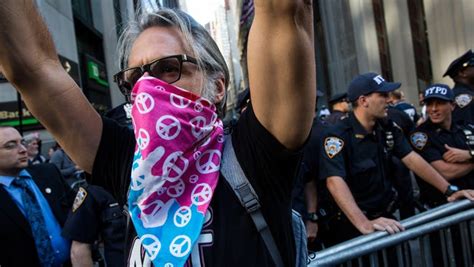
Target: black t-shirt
(308, 167)
(363, 159)
(429, 141)
(464, 110)
(228, 237)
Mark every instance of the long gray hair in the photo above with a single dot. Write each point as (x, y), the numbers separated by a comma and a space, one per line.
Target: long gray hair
(197, 41)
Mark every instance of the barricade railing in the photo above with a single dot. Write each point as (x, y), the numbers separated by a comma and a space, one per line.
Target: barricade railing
(412, 246)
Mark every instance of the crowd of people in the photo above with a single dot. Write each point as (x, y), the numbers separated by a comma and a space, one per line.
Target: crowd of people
(158, 195)
(363, 165)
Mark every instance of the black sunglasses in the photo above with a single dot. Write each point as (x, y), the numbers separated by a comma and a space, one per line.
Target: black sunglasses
(167, 69)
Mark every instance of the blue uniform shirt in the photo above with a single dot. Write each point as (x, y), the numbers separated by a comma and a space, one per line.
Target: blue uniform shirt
(362, 159)
(60, 245)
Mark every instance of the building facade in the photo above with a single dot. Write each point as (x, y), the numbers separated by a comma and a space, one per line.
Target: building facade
(410, 41)
(85, 33)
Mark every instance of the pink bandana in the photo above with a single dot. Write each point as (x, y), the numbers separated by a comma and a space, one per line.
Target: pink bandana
(175, 168)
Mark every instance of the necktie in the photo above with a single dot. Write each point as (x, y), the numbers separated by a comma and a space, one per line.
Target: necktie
(37, 222)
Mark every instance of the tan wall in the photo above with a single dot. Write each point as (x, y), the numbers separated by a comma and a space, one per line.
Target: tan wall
(365, 36)
(401, 47)
(450, 26)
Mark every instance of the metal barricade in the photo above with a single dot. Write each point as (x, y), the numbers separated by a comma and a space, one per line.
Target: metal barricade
(425, 232)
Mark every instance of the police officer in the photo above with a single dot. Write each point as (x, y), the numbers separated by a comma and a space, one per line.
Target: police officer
(461, 70)
(356, 168)
(398, 102)
(339, 108)
(448, 147)
(95, 214)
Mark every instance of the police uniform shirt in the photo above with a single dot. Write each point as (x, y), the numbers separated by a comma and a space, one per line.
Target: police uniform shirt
(464, 110)
(96, 213)
(361, 159)
(409, 109)
(335, 116)
(401, 119)
(429, 139)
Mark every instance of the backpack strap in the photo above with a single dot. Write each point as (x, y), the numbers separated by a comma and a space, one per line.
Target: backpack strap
(234, 175)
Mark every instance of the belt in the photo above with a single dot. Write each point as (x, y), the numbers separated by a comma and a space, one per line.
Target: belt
(390, 208)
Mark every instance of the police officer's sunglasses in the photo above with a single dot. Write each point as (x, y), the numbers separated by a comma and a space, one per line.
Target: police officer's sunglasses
(167, 69)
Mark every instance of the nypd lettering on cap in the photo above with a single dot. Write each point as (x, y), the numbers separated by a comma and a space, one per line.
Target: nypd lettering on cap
(463, 100)
(436, 90)
(332, 146)
(80, 197)
(419, 140)
(379, 79)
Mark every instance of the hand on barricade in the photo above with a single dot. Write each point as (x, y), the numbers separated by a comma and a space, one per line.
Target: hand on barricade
(382, 224)
(469, 194)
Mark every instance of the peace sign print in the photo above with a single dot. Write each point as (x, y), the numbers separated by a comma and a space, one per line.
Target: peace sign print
(144, 103)
(180, 246)
(198, 107)
(179, 101)
(160, 88)
(193, 178)
(209, 161)
(143, 138)
(154, 212)
(220, 138)
(168, 127)
(198, 126)
(201, 194)
(182, 216)
(177, 189)
(162, 190)
(197, 154)
(137, 183)
(174, 166)
(151, 244)
(204, 103)
(214, 118)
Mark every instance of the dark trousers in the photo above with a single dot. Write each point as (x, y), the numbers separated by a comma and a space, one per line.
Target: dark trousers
(403, 184)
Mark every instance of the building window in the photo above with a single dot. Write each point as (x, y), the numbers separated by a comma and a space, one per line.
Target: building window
(83, 11)
(421, 47)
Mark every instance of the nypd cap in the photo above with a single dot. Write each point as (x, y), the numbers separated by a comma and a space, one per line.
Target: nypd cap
(367, 83)
(439, 91)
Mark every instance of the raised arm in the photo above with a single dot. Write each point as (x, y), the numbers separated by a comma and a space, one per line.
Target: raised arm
(282, 70)
(30, 62)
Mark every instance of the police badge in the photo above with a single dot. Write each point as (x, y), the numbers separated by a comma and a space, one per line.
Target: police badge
(80, 197)
(333, 146)
(418, 140)
(463, 100)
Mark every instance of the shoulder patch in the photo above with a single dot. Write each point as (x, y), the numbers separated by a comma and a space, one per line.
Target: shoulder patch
(332, 146)
(419, 140)
(463, 100)
(80, 197)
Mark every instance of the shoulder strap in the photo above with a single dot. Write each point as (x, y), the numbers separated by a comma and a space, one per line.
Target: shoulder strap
(234, 175)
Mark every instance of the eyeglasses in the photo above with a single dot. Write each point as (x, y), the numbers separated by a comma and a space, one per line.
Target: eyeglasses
(14, 145)
(167, 69)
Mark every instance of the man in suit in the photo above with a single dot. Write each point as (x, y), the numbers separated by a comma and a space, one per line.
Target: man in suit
(33, 207)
